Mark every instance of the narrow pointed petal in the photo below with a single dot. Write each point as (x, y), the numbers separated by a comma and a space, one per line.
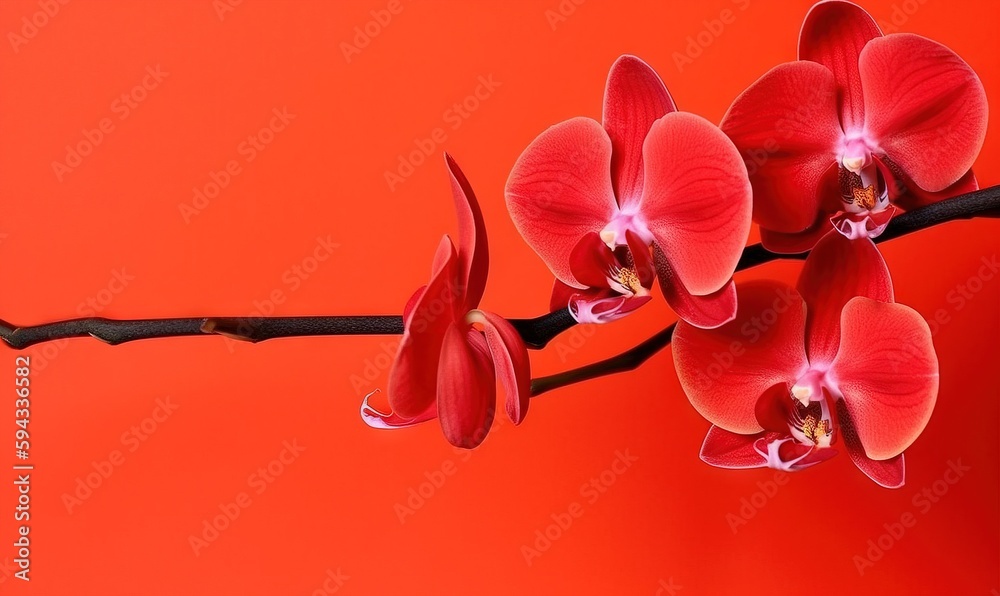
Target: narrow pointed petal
(473, 248)
(510, 358)
(833, 34)
(696, 200)
(411, 304)
(786, 127)
(887, 372)
(725, 371)
(837, 270)
(560, 189)
(890, 473)
(925, 107)
(591, 261)
(466, 393)
(707, 312)
(634, 98)
(413, 378)
(378, 419)
(724, 449)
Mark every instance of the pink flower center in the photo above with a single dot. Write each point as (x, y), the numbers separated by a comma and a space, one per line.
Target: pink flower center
(862, 188)
(613, 234)
(810, 421)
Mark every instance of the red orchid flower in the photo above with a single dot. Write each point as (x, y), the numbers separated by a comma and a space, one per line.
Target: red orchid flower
(799, 371)
(650, 192)
(451, 351)
(860, 120)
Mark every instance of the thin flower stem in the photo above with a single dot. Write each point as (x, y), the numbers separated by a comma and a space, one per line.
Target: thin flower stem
(536, 332)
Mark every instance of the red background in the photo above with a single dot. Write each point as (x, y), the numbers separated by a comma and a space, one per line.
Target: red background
(664, 520)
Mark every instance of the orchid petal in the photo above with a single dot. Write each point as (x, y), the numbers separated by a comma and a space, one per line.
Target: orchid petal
(696, 200)
(466, 392)
(725, 371)
(887, 372)
(890, 473)
(786, 127)
(732, 451)
(413, 378)
(510, 357)
(560, 189)
(910, 196)
(797, 243)
(634, 98)
(592, 260)
(473, 249)
(833, 34)
(707, 312)
(392, 421)
(924, 107)
(837, 270)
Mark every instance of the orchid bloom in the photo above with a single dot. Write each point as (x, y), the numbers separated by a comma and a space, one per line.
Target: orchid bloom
(650, 192)
(797, 372)
(860, 120)
(451, 350)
